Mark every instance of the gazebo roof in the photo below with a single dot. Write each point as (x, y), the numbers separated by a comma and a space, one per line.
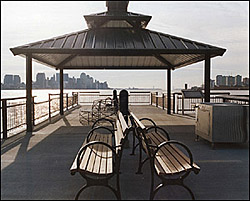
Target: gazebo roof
(117, 39)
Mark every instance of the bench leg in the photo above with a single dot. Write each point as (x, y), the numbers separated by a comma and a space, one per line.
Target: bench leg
(102, 182)
(80, 191)
(140, 159)
(166, 183)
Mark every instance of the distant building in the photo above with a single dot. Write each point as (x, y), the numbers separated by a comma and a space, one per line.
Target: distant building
(246, 81)
(212, 84)
(230, 81)
(219, 80)
(17, 80)
(238, 80)
(40, 80)
(8, 80)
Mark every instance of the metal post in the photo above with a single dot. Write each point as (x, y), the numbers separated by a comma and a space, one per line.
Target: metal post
(156, 99)
(29, 92)
(61, 91)
(33, 110)
(163, 101)
(174, 103)
(49, 109)
(4, 118)
(169, 91)
(67, 101)
(207, 77)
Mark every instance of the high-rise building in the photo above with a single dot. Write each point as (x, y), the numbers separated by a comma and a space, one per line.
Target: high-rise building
(212, 83)
(230, 81)
(246, 81)
(224, 81)
(17, 80)
(40, 80)
(8, 80)
(219, 80)
(238, 80)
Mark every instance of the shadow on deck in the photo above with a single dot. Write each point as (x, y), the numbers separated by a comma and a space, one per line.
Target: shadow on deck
(36, 166)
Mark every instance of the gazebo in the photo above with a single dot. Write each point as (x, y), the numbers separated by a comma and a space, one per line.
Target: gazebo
(117, 40)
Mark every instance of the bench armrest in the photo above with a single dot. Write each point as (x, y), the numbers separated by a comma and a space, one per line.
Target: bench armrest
(91, 144)
(96, 128)
(104, 119)
(148, 119)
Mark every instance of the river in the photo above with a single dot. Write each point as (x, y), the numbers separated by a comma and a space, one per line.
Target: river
(42, 94)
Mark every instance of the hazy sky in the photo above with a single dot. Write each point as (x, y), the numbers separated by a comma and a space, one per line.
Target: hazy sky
(219, 23)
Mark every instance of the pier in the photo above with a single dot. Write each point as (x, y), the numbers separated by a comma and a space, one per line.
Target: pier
(36, 165)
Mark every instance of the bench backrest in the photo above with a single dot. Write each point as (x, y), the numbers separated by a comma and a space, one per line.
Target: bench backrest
(121, 130)
(138, 122)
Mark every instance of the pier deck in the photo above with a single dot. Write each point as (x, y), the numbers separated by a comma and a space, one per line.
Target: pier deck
(36, 166)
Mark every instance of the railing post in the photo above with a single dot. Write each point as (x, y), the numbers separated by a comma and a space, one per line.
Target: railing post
(163, 101)
(156, 99)
(151, 96)
(174, 103)
(33, 110)
(67, 101)
(49, 109)
(182, 105)
(4, 118)
(77, 98)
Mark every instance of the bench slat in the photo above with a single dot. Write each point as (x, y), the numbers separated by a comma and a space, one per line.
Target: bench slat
(173, 157)
(109, 158)
(183, 158)
(92, 155)
(98, 157)
(74, 165)
(168, 158)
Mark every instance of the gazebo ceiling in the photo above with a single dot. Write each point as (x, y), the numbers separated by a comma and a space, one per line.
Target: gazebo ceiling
(117, 40)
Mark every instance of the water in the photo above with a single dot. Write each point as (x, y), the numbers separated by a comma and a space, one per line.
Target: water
(42, 94)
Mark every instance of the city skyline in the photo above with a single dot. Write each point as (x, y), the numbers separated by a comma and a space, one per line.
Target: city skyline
(42, 82)
(219, 81)
(223, 24)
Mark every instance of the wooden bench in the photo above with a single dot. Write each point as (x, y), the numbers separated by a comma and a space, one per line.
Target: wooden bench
(98, 160)
(171, 160)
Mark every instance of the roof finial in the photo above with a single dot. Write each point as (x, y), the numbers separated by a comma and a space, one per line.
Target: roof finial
(114, 6)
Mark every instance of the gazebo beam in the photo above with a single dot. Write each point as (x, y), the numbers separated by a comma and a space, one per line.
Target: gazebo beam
(116, 52)
(116, 67)
(163, 60)
(29, 92)
(68, 59)
(207, 77)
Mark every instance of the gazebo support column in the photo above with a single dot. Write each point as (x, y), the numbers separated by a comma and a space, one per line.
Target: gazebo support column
(29, 92)
(61, 91)
(169, 91)
(207, 77)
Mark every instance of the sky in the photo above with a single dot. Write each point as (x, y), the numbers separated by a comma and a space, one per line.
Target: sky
(223, 24)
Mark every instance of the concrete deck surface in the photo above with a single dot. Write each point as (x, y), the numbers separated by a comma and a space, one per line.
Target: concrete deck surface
(36, 166)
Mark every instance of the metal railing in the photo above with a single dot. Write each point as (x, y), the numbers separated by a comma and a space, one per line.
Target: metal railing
(180, 104)
(135, 97)
(13, 111)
